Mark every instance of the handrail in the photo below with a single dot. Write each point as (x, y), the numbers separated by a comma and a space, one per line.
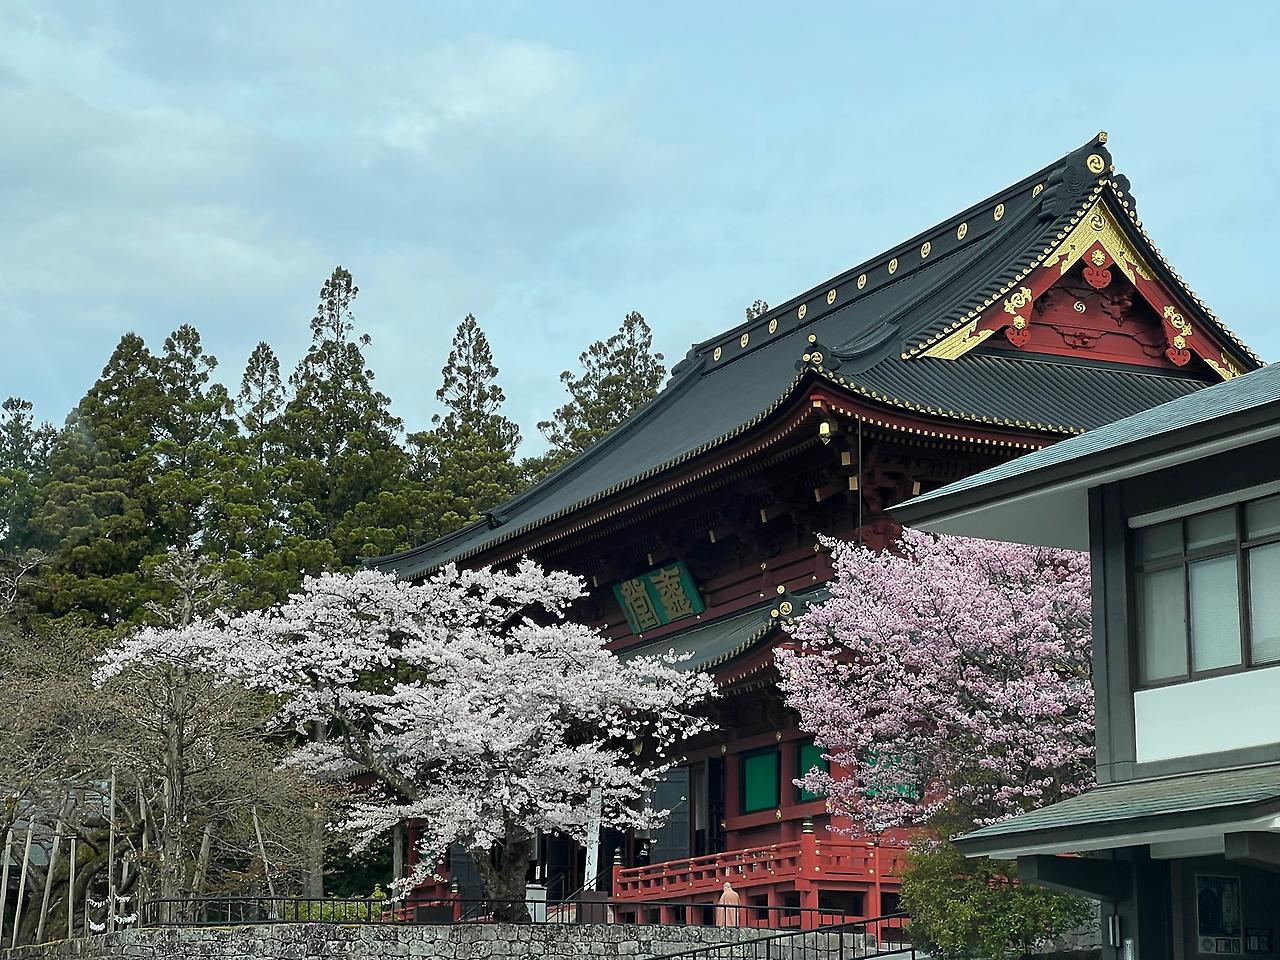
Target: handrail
(602, 876)
(860, 938)
(832, 857)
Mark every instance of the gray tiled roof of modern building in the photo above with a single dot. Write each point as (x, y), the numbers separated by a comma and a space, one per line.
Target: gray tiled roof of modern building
(1116, 809)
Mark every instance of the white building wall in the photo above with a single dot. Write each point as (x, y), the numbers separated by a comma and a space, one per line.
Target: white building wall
(1208, 716)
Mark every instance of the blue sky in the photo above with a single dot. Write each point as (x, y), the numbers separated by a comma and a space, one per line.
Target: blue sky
(551, 166)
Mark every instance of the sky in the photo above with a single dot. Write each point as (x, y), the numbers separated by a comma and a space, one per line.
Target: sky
(550, 166)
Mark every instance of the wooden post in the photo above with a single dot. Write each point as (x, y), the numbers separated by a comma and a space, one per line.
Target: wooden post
(4, 878)
(397, 852)
(595, 805)
(48, 880)
(614, 883)
(202, 866)
(144, 892)
(71, 885)
(22, 885)
(262, 852)
(111, 856)
(875, 870)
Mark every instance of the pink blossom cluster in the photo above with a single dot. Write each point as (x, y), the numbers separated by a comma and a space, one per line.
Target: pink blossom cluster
(947, 672)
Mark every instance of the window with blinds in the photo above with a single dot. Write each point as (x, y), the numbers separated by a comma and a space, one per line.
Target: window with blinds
(1207, 593)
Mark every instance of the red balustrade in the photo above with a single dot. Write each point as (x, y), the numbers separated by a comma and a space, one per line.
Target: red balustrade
(807, 866)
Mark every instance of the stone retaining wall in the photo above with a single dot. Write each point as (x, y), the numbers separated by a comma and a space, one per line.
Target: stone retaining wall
(290, 941)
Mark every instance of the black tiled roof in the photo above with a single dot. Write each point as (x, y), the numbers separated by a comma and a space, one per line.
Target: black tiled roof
(1060, 395)
(1202, 408)
(869, 320)
(712, 644)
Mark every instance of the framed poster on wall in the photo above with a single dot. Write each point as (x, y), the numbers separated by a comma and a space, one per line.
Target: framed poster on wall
(1257, 940)
(1218, 915)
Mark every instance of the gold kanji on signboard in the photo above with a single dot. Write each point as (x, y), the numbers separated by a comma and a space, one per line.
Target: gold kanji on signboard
(639, 604)
(659, 597)
(669, 582)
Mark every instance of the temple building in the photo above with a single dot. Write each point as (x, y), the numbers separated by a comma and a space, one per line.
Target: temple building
(1036, 314)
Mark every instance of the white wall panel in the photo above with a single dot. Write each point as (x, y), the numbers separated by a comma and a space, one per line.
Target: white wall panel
(1208, 716)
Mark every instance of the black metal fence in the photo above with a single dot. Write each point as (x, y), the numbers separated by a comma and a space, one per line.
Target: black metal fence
(887, 936)
(246, 910)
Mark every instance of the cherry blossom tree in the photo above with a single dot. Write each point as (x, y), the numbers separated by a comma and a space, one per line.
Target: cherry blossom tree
(947, 672)
(478, 710)
(950, 682)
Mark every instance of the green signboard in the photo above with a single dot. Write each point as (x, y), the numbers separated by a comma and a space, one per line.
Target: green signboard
(659, 596)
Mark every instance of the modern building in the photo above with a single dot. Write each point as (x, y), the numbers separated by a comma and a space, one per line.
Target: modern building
(1032, 316)
(1179, 507)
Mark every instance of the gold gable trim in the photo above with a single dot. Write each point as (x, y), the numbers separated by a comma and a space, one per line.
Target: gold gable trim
(959, 343)
(1228, 369)
(1098, 225)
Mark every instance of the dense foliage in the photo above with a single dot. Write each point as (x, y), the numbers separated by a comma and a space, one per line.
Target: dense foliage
(201, 800)
(276, 476)
(976, 908)
(950, 683)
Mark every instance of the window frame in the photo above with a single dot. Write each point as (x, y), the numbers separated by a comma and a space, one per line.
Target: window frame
(802, 795)
(742, 779)
(1239, 547)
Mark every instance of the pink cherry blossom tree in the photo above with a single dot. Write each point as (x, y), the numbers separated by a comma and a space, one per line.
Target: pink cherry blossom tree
(947, 673)
(478, 710)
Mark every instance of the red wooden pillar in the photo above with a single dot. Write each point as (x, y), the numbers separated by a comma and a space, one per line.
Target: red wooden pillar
(732, 788)
(788, 763)
(808, 873)
(773, 916)
(732, 798)
(877, 907)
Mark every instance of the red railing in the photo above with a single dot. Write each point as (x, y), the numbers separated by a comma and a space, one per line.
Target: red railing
(807, 864)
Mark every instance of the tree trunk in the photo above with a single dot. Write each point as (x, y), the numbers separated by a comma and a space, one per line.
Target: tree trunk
(262, 852)
(313, 885)
(173, 797)
(504, 881)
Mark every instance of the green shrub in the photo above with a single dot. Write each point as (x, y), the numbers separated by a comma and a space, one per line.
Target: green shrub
(976, 910)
